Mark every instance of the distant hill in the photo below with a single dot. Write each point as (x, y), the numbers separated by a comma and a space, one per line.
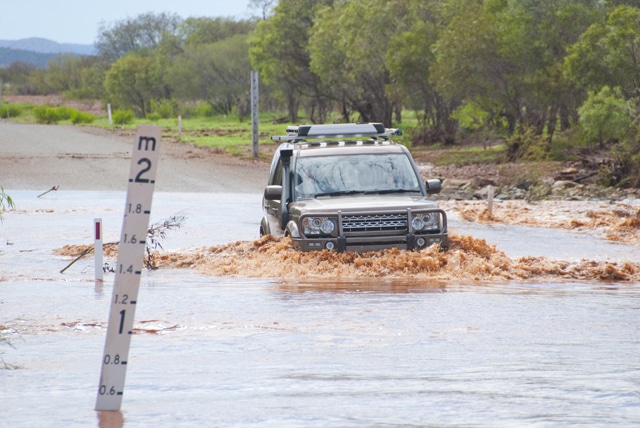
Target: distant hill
(40, 45)
(9, 56)
(38, 51)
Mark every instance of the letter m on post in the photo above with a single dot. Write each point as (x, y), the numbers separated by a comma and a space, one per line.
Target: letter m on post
(146, 141)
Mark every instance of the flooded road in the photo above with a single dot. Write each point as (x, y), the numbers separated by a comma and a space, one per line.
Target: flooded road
(243, 350)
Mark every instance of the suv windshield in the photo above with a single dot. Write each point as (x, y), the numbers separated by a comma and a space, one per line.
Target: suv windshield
(349, 174)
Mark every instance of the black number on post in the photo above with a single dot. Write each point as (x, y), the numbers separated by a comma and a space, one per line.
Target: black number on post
(139, 178)
(122, 312)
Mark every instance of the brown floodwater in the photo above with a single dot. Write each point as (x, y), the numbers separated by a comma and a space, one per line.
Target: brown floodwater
(513, 326)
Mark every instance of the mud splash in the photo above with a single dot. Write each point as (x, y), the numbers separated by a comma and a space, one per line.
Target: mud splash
(615, 222)
(468, 259)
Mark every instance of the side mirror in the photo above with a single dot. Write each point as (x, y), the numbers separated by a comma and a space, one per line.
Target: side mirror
(433, 186)
(273, 193)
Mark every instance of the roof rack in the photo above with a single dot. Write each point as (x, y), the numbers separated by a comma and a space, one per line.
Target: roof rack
(303, 132)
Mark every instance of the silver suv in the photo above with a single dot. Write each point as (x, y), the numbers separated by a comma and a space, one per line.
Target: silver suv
(347, 187)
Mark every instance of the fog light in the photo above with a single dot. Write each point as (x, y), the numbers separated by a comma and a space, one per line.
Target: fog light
(329, 245)
(421, 242)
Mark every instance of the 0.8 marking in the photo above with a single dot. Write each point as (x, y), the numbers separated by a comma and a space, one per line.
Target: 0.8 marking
(113, 360)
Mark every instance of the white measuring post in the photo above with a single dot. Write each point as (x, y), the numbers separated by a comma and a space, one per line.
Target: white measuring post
(490, 200)
(255, 98)
(98, 248)
(137, 210)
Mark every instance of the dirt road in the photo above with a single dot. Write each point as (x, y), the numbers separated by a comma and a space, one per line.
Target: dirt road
(34, 157)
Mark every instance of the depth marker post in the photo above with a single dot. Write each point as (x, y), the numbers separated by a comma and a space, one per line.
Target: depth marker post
(137, 210)
(98, 248)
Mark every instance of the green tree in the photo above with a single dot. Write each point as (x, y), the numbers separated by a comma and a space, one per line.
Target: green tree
(609, 54)
(468, 66)
(605, 115)
(134, 80)
(264, 7)
(216, 72)
(348, 46)
(507, 57)
(75, 77)
(141, 34)
(279, 52)
(203, 30)
(17, 77)
(410, 58)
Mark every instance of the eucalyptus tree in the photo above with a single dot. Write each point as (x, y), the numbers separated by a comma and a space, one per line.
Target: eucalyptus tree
(279, 52)
(141, 34)
(608, 54)
(507, 57)
(348, 47)
(201, 30)
(215, 72)
(134, 80)
(410, 58)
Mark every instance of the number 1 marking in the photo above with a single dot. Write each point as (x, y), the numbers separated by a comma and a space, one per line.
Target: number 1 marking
(122, 312)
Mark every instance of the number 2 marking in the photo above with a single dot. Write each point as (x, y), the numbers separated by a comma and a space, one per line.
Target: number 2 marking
(139, 178)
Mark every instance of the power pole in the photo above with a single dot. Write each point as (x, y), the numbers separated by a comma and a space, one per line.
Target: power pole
(254, 112)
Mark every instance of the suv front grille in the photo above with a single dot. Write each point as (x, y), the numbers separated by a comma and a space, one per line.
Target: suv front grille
(374, 223)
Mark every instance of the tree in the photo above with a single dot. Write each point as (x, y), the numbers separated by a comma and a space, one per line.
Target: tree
(279, 52)
(410, 58)
(507, 57)
(609, 54)
(216, 72)
(142, 34)
(605, 115)
(76, 77)
(134, 80)
(210, 30)
(348, 47)
(468, 66)
(18, 76)
(265, 7)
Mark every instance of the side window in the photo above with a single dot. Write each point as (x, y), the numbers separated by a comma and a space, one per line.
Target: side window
(276, 177)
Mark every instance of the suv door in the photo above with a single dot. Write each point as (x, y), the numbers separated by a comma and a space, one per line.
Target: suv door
(271, 207)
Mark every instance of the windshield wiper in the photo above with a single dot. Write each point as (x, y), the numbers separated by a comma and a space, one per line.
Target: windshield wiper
(340, 193)
(385, 191)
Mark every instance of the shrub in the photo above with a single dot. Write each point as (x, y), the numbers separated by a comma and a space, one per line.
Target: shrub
(10, 110)
(525, 144)
(79, 117)
(64, 112)
(46, 114)
(123, 117)
(204, 110)
(165, 108)
(154, 117)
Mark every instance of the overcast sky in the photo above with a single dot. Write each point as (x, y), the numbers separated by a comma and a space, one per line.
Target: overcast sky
(77, 21)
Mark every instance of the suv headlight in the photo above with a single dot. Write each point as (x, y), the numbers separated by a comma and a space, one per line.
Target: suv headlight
(424, 222)
(318, 226)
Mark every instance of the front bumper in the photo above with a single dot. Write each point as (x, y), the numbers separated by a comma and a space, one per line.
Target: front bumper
(362, 244)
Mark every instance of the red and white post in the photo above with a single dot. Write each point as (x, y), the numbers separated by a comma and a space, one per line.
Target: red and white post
(98, 248)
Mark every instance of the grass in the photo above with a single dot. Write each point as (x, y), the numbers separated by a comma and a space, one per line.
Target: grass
(233, 137)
